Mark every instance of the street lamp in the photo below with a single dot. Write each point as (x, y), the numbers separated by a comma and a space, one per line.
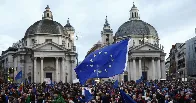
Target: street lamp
(13, 74)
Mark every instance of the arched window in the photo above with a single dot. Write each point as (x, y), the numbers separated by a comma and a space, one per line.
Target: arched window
(47, 14)
(132, 14)
(68, 44)
(135, 14)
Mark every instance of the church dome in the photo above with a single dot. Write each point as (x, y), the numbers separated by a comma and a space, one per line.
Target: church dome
(45, 26)
(136, 27)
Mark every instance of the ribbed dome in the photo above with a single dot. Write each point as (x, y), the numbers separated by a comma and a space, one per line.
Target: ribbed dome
(45, 26)
(136, 27)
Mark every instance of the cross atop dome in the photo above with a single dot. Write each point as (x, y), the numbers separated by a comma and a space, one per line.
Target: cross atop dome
(134, 13)
(47, 14)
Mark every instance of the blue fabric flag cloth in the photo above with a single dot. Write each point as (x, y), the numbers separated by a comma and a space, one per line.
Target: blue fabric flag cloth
(140, 80)
(156, 86)
(19, 75)
(6, 99)
(147, 84)
(88, 95)
(126, 98)
(103, 63)
(116, 84)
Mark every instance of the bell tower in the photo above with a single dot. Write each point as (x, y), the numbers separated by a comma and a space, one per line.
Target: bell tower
(47, 14)
(107, 33)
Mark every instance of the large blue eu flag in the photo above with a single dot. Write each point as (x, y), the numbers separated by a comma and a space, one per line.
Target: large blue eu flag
(103, 63)
(19, 75)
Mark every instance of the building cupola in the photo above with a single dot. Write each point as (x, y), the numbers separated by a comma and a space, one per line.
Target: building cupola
(134, 13)
(47, 14)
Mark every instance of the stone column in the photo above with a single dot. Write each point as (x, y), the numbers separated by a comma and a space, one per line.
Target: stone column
(163, 72)
(63, 70)
(153, 69)
(158, 69)
(73, 73)
(134, 69)
(35, 70)
(70, 73)
(128, 70)
(140, 67)
(42, 71)
(57, 69)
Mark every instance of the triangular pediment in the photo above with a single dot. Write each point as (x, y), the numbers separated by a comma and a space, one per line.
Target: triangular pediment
(147, 46)
(49, 46)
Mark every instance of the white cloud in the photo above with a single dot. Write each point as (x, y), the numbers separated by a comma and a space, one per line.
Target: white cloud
(5, 42)
(173, 20)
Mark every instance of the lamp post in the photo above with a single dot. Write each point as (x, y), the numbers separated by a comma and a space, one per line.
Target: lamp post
(13, 74)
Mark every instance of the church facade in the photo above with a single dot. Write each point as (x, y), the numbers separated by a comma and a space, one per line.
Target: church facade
(46, 51)
(146, 55)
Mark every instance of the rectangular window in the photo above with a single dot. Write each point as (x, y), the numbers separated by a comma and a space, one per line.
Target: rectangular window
(47, 14)
(107, 35)
(195, 49)
(47, 40)
(140, 42)
(33, 41)
(26, 43)
(107, 39)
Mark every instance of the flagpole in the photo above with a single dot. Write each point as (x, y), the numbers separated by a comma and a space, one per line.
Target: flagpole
(97, 73)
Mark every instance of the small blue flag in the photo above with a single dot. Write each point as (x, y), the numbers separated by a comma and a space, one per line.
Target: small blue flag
(147, 84)
(156, 86)
(34, 91)
(142, 77)
(19, 75)
(6, 99)
(81, 100)
(88, 95)
(103, 63)
(126, 98)
(140, 80)
(116, 84)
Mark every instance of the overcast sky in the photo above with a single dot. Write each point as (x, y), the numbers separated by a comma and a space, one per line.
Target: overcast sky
(175, 20)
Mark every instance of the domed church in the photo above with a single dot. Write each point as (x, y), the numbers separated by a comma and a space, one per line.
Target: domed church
(47, 51)
(146, 55)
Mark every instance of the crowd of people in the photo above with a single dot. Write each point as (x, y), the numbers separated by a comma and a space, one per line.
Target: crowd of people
(143, 92)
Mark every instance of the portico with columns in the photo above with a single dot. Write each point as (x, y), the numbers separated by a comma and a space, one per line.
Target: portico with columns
(55, 68)
(146, 60)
